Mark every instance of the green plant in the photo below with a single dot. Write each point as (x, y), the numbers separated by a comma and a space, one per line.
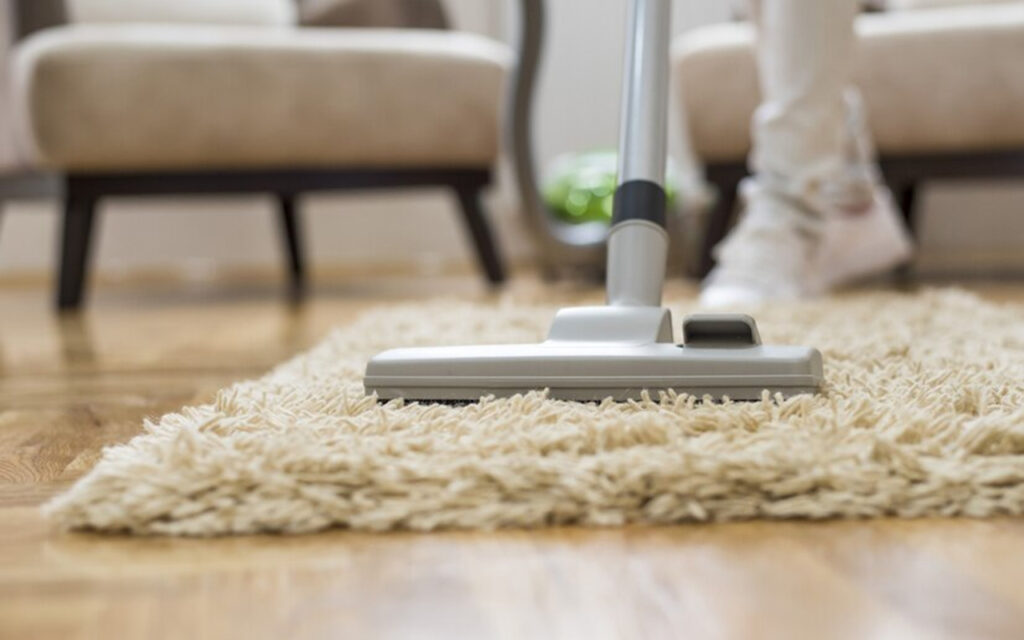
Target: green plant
(581, 187)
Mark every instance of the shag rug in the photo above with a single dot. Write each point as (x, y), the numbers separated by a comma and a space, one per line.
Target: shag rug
(923, 415)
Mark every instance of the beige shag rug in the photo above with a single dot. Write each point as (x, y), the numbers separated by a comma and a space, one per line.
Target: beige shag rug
(923, 415)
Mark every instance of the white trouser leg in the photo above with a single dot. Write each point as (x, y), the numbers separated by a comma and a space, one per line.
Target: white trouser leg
(802, 144)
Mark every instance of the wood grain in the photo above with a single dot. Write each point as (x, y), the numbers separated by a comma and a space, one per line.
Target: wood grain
(69, 387)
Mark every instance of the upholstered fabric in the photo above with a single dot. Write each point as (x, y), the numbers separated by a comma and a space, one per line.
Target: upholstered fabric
(261, 12)
(132, 97)
(937, 80)
(905, 5)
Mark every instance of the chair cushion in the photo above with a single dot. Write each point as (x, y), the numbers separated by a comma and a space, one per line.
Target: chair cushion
(941, 80)
(101, 97)
(263, 12)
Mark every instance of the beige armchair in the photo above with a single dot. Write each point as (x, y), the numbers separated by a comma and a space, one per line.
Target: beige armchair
(943, 87)
(148, 97)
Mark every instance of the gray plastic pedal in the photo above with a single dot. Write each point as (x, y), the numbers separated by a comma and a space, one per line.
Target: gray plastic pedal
(720, 330)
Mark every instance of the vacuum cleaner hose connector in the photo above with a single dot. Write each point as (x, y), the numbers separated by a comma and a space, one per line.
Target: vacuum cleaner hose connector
(637, 254)
(640, 200)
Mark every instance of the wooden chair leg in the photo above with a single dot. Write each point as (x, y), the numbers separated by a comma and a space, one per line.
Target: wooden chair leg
(76, 241)
(291, 235)
(719, 220)
(480, 232)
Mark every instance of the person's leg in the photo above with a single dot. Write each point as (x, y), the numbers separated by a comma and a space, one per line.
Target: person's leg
(805, 52)
(812, 163)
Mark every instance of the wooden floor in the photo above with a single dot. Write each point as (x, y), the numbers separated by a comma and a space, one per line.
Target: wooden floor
(70, 386)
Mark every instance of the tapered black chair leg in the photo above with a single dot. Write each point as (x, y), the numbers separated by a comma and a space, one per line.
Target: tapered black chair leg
(906, 195)
(291, 235)
(483, 237)
(719, 220)
(76, 241)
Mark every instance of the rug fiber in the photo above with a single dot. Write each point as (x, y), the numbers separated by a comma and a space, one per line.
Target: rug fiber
(923, 415)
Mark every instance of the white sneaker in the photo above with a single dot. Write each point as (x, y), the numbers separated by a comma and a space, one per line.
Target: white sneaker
(766, 257)
(782, 252)
(858, 245)
(821, 235)
(864, 232)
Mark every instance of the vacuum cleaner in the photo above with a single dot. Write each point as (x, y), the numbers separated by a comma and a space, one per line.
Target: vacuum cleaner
(625, 348)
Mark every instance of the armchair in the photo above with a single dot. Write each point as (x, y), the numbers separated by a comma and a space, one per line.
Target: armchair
(108, 98)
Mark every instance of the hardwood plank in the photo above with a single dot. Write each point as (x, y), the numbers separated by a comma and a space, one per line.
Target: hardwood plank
(68, 388)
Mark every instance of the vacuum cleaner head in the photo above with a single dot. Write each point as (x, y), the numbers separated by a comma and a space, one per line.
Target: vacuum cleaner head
(593, 353)
(625, 348)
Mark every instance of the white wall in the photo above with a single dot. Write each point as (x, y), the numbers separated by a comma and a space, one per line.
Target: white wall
(577, 110)
(580, 93)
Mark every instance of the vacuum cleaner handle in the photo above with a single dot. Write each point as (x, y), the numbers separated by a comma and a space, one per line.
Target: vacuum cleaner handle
(638, 241)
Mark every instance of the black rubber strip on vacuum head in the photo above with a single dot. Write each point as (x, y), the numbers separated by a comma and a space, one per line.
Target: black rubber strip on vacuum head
(640, 200)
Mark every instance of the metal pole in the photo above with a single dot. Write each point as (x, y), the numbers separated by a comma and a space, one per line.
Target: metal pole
(638, 241)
